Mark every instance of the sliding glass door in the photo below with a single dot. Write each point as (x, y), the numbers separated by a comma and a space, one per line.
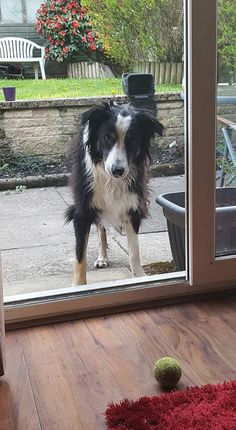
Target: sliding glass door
(210, 263)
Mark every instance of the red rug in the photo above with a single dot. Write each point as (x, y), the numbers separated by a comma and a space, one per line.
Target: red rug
(211, 407)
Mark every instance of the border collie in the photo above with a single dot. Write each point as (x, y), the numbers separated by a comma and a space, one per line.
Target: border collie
(110, 163)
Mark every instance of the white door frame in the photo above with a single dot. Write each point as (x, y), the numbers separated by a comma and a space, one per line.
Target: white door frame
(204, 267)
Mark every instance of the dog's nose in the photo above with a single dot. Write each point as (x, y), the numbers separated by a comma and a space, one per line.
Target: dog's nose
(117, 171)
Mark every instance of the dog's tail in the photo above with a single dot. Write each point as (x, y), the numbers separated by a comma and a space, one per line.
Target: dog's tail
(69, 214)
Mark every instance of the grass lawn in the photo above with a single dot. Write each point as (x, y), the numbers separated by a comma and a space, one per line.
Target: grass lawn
(28, 89)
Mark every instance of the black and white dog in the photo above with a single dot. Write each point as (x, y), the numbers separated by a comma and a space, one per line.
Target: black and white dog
(110, 165)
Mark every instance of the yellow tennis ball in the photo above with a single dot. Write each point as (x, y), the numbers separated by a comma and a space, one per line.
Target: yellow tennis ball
(167, 372)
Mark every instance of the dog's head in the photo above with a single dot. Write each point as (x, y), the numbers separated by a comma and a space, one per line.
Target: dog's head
(118, 136)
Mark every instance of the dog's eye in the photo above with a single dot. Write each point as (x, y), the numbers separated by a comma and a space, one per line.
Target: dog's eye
(107, 139)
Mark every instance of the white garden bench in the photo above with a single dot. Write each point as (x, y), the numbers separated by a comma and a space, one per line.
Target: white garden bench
(18, 50)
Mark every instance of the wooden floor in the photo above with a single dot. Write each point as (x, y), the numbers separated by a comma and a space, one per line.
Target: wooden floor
(63, 376)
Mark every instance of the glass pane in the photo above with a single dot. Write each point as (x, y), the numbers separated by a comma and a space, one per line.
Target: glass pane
(226, 130)
(11, 11)
(31, 7)
(38, 249)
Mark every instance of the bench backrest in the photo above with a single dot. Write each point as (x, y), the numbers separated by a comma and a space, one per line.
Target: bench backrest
(16, 47)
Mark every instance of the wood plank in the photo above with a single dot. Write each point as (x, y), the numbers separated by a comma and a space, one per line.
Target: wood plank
(203, 344)
(17, 406)
(75, 369)
(88, 70)
(225, 121)
(179, 73)
(173, 74)
(69, 70)
(66, 375)
(80, 368)
(157, 73)
(94, 75)
(83, 68)
(2, 331)
(152, 69)
(167, 73)
(135, 67)
(162, 73)
(140, 348)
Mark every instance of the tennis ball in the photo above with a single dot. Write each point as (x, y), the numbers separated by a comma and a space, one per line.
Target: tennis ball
(167, 372)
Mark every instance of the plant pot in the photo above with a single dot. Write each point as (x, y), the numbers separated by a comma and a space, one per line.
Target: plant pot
(173, 205)
(9, 93)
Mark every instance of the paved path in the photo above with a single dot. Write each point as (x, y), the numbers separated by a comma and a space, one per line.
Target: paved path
(37, 249)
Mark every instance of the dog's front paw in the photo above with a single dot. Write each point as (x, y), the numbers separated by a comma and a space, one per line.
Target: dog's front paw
(101, 262)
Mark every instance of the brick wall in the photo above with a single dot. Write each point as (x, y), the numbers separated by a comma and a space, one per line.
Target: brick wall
(46, 127)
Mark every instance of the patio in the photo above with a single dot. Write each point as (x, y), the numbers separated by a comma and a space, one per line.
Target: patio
(37, 249)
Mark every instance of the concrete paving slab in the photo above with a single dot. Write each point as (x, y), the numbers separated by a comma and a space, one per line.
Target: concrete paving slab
(52, 282)
(33, 217)
(30, 202)
(53, 260)
(34, 225)
(35, 231)
(36, 245)
(154, 247)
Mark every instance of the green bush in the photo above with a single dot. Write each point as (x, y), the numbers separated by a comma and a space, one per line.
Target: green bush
(227, 37)
(139, 30)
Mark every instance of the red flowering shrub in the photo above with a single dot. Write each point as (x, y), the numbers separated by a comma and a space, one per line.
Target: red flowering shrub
(68, 31)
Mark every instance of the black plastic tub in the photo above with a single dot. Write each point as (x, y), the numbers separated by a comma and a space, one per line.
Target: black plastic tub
(173, 205)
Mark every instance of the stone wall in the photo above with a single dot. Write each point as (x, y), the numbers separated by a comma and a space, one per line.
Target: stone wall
(46, 127)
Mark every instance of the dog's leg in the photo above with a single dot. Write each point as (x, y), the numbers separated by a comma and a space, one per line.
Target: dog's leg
(102, 260)
(82, 229)
(132, 228)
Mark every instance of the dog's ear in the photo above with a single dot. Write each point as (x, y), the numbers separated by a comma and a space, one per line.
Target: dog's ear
(149, 123)
(91, 122)
(96, 113)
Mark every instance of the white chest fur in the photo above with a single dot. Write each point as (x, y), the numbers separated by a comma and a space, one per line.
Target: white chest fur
(112, 197)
